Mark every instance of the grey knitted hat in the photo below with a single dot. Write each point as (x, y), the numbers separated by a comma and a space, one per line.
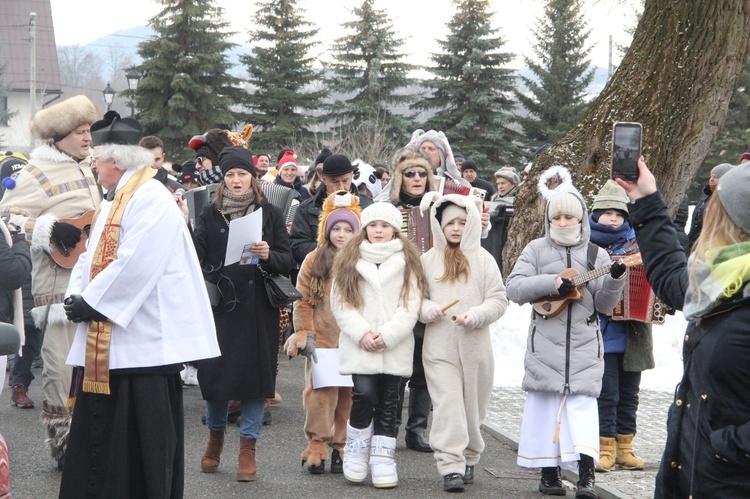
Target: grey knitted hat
(611, 197)
(733, 191)
(720, 170)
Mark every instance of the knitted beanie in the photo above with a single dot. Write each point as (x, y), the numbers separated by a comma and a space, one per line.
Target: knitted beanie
(509, 174)
(384, 212)
(341, 206)
(450, 212)
(236, 157)
(469, 165)
(733, 191)
(611, 197)
(720, 170)
(563, 199)
(324, 153)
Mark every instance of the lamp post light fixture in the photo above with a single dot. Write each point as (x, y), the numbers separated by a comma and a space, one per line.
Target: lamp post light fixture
(133, 77)
(109, 96)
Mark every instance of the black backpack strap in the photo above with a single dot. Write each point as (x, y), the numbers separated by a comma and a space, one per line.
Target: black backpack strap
(593, 251)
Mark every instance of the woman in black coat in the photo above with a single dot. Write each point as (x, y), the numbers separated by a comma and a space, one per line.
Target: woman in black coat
(707, 453)
(247, 325)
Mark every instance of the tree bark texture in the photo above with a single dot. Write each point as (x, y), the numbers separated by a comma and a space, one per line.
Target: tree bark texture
(676, 79)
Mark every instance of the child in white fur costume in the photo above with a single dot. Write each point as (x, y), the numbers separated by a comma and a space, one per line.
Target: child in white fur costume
(376, 295)
(458, 358)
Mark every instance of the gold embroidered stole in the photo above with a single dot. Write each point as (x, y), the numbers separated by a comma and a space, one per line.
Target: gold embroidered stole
(96, 371)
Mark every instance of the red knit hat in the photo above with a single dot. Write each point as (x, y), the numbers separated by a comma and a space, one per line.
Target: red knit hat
(288, 159)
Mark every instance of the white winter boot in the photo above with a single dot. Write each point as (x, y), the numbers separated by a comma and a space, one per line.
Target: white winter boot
(382, 462)
(356, 453)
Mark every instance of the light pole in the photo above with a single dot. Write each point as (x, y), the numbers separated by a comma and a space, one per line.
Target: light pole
(109, 96)
(133, 77)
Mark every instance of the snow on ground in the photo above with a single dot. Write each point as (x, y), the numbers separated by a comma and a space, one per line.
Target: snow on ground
(509, 345)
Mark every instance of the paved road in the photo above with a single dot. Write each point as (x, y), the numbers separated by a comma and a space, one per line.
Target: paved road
(34, 476)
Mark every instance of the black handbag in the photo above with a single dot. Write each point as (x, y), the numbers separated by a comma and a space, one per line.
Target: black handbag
(281, 292)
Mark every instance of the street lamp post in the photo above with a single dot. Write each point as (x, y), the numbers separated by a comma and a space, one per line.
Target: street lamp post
(133, 77)
(109, 96)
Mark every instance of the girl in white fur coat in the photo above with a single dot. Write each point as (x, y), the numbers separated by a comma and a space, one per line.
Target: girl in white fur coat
(458, 359)
(377, 290)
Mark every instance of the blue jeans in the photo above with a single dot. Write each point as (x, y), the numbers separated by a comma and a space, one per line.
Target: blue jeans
(251, 415)
(21, 372)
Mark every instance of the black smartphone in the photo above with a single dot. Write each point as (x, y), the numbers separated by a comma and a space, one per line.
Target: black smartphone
(626, 149)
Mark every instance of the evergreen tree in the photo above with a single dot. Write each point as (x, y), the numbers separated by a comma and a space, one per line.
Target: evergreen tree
(367, 73)
(281, 71)
(557, 102)
(186, 88)
(734, 138)
(471, 89)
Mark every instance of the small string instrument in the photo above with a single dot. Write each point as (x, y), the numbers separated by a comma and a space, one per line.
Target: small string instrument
(551, 306)
(67, 257)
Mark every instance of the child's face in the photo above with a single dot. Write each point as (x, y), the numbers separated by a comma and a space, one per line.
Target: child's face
(379, 232)
(564, 221)
(454, 230)
(340, 234)
(613, 218)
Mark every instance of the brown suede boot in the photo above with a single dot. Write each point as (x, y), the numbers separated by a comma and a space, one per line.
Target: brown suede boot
(212, 457)
(606, 454)
(246, 463)
(625, 456)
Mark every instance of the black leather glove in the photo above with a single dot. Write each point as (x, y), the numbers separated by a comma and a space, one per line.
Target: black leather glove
(566, 287)
(65, 235)
(617, 269)
(309, 350)
(77, 310)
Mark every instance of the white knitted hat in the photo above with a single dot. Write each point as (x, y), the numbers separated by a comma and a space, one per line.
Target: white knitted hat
(383, 211)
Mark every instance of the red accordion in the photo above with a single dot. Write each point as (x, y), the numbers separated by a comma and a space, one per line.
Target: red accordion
(638, 302)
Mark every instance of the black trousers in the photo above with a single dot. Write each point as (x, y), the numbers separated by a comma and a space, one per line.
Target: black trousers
(618, 400)
(375, 398)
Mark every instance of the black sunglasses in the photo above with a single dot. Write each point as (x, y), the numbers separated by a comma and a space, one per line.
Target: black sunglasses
(411, 173)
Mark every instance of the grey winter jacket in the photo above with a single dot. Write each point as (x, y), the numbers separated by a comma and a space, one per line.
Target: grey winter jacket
(564, 354)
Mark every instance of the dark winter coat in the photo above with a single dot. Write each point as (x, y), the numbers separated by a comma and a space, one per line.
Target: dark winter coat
(15, 272)
(696, 224)
(249, 334)
(304, 236)
(707, 453)
(481, 183)
(680, 221)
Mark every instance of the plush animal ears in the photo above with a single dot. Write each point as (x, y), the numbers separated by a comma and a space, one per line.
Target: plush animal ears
(566, 184)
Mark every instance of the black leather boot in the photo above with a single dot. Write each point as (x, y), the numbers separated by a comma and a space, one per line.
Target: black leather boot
(551, 482)
(586, 477)
(416, 426)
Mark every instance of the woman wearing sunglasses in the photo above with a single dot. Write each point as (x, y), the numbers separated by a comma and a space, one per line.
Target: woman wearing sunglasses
(247, 326)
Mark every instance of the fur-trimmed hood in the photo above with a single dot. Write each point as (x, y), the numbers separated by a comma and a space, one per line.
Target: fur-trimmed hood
(56, 122)
(48, 152)
(409, 157)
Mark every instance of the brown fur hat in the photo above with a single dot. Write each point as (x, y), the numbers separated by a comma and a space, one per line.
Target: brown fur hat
(58, 121)
(410, 156)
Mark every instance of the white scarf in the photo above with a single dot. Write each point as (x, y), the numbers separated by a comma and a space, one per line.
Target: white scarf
(379, 252)
(565, 236)
(17, 298)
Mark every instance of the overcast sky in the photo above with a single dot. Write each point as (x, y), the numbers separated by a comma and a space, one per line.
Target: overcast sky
(420, 22)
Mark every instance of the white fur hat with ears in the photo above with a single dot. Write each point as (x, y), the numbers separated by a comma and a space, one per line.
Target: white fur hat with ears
(563, 199)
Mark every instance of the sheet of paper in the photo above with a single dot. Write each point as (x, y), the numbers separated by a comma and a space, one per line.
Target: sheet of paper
(325, 372)
(243, 231)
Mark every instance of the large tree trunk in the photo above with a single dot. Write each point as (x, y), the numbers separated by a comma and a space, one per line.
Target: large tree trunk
(677, 80)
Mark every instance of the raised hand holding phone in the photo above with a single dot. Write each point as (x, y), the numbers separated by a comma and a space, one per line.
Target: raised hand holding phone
(626, 150)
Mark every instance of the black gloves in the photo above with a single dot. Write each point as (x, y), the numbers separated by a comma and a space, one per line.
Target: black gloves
(309, 350)
(77, 310)
(617, 269)
(65, 235)
(566, 287)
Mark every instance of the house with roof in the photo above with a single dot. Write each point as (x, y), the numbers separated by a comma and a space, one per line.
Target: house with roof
(18, 28)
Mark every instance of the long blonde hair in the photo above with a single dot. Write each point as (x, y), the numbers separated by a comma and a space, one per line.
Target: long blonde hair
(348, 278)
(456, 264)
(718, 232)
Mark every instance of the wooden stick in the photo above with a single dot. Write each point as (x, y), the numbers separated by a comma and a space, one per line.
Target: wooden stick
(458, 319)
(446, 307)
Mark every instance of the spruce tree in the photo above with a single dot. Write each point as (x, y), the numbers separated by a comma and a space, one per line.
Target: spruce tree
(471, 88)
(280, 70)
(561, 66)
(367, 74)
(186, 88)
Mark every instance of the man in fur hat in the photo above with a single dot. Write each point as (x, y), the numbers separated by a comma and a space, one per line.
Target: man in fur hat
(57, 184)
